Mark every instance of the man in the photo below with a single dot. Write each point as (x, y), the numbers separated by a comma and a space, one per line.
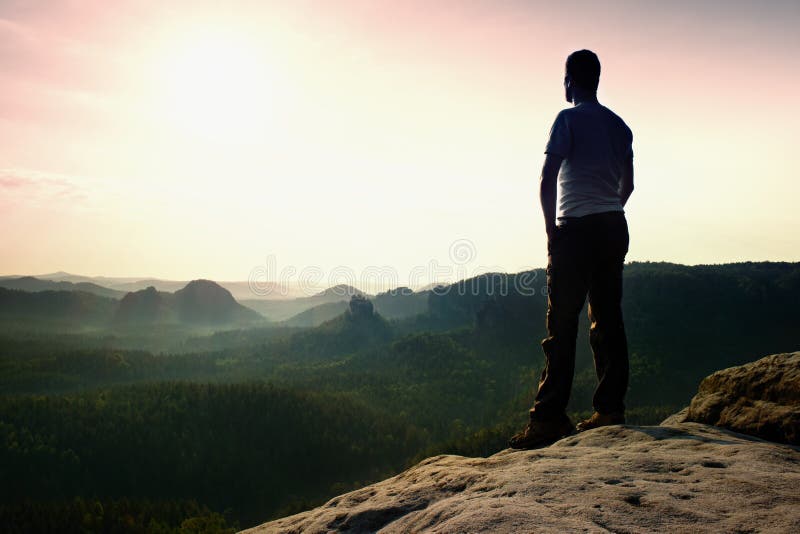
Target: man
(589, 161)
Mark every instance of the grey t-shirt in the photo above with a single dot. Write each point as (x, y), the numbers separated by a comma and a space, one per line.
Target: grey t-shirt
(595, 143)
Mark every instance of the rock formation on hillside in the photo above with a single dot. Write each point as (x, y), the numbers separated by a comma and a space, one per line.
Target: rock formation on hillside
(680, 476)
(360, 306)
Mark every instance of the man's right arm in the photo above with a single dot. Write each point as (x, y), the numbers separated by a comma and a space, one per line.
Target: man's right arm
(548, 191)
(626, 184)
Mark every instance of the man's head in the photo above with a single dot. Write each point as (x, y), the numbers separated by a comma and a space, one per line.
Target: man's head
(582, 74)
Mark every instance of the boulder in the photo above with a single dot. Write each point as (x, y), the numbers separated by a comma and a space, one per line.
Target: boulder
(761, 399)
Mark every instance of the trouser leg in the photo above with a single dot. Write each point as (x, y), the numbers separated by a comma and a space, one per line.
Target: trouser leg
(607, 330)
(567, 284)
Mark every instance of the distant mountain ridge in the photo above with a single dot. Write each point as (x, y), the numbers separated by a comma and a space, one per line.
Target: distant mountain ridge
(198, 303)
(283, 310)
(242, 289)
(31, 283)
(398, 303)
(300, 311)
(47, 308)
(697, 299)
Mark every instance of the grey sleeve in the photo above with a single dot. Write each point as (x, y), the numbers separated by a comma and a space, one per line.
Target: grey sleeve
(560, 142)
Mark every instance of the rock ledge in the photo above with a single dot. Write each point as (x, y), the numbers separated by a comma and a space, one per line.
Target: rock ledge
(681, 476)
(684, 478)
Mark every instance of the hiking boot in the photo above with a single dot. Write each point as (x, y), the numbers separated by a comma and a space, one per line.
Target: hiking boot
(540, 433)
(601, 419)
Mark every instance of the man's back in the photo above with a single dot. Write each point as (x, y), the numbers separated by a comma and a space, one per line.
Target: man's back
(595, 144)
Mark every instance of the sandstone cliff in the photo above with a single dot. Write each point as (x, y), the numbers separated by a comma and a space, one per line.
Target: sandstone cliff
(681, 476)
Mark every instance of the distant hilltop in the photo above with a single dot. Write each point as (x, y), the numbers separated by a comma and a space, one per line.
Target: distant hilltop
(200, 302)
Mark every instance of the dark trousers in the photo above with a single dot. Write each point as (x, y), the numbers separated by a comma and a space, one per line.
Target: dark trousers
(585, 256)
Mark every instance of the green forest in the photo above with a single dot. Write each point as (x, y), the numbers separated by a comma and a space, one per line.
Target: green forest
(168, 427)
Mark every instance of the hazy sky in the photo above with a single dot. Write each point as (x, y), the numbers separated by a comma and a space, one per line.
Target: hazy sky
(186, 140)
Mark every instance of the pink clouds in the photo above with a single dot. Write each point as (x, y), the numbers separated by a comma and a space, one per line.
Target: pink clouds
(30, 185)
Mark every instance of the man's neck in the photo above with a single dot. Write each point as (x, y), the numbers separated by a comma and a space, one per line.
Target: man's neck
(582, 98)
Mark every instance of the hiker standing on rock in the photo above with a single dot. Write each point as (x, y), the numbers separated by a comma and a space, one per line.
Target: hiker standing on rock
(589, 162)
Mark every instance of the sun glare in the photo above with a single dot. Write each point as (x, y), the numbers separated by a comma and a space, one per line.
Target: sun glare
(218, 87)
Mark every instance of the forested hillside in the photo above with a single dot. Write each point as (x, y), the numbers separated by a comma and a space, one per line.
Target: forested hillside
(252, 448)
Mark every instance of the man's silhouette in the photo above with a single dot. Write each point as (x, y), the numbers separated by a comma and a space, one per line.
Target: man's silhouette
(589, 162)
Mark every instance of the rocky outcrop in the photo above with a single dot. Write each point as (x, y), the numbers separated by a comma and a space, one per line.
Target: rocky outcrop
(761, 399)
(684, 478)
(360, 306)
(680, 476)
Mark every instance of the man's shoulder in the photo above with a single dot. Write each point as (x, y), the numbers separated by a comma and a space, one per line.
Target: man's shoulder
(563, 114)
(616, 118)
(566, 112)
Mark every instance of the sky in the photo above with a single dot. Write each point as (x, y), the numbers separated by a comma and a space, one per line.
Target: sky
(221, 139)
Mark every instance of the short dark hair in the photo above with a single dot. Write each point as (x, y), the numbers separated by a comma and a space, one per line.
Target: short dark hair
(584, 69)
